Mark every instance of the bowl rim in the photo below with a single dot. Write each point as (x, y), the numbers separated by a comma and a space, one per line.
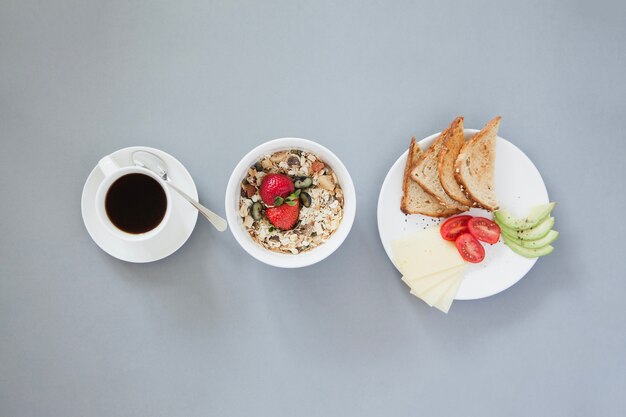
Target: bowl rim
(282, 260)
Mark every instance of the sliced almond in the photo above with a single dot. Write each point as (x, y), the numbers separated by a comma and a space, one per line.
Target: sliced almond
(250, 190)
(326, 182)
(278, 157)
(266, 164)
(248, 221)
(317, 165)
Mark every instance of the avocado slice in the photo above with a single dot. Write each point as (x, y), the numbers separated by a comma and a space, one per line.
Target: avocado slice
(527, 252)
(535, 216)
(535, 244)
(537, 232)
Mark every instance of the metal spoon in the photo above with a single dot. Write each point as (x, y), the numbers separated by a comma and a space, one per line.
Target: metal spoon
(155, 164)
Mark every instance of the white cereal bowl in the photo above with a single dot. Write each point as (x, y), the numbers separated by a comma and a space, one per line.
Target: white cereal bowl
(283, 260)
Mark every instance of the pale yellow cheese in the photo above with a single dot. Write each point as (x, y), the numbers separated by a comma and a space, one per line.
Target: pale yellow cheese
(424, 253)
(445, 302)
(424, 283)
(432, 295)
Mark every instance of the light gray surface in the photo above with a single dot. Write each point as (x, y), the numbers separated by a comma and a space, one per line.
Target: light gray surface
(210, 331)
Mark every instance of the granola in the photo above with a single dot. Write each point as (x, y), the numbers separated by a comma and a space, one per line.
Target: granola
(321, 196)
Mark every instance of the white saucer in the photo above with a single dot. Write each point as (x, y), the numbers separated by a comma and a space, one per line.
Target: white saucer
(519, 187)
(177, 231)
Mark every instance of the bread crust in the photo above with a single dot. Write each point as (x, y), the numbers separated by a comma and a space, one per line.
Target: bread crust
(461, 172)
(409, 187)
(429, 181)
(448, 153)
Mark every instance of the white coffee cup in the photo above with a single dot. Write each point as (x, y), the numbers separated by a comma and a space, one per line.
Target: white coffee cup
(112, 172)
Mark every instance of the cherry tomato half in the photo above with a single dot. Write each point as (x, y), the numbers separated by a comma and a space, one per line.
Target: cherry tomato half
(453, 227)
(484, 229)
(470, 248)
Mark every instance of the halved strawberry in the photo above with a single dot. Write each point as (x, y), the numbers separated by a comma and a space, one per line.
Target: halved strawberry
(284, 216)
(275, 185)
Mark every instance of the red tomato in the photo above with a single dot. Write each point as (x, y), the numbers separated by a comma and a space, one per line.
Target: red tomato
(470, 248)
(484, 229)
(453, 227)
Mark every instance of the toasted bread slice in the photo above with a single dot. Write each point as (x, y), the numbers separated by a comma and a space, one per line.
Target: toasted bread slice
(414, 199)
(427, 176)
(448, 153)
(474, 167)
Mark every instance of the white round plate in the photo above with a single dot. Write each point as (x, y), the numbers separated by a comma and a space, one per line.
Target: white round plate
(169, 240)
(519, 187)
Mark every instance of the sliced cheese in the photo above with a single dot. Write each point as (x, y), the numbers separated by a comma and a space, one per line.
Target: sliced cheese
(424, 283)
(445, 302)
(424, 253)
(432, 295)
(418, 288)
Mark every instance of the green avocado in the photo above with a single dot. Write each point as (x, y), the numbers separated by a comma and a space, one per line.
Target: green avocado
(535, 244)
(527, 252)
(537, 232)
(536, 215)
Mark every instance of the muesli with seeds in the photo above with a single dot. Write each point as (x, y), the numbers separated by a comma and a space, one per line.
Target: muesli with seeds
(291, 201)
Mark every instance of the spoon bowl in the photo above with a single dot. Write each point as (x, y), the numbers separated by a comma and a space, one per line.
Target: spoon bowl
(158, 166)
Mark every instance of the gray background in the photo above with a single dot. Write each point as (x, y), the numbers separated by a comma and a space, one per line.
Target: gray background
(209, 331)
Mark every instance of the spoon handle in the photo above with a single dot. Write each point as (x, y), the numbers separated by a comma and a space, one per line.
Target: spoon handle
(219, 223)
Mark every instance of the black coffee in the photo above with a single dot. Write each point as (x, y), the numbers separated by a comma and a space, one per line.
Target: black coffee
(136, 203)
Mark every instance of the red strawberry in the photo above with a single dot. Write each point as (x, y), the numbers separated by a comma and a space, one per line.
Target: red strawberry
(284, 216)
(275, 185)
